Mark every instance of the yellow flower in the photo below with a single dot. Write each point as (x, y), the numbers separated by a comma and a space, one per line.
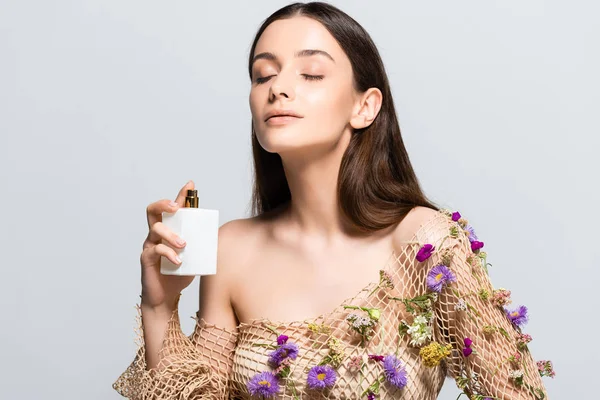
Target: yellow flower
(335, 345)
(336, 351)
(322, 328)
(454, 232)
(475, 262)
(433, 353)
(484, 294)
(446, 257)
(489, 330)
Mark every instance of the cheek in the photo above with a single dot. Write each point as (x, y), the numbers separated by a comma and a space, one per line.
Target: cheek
(256, 108)
(330, 109)
(252, 99)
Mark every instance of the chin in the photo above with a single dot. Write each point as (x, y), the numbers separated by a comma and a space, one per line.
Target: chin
(280, 139)
(296, 147)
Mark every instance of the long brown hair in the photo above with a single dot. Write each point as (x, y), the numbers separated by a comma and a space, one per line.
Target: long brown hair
(377, 185)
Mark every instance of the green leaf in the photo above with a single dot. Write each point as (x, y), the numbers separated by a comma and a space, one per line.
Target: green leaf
(402, 329)
(474, 310)
(285, 372)
(268, 346)
(503, 332)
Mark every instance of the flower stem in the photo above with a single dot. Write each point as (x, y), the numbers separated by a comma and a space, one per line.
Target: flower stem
(374, 290)
(381, 339)
(272, 329)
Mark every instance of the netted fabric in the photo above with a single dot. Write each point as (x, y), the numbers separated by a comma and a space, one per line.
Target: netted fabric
(431, 313)
(190, 367)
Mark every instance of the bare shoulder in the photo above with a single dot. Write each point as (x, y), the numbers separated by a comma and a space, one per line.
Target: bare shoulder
(236, 237)
(235, 240)
(411, 223)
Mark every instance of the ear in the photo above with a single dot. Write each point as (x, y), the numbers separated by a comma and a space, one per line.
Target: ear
(367, 107)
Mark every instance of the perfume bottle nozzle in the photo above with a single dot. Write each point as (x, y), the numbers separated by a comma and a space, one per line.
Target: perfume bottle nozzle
(191, 200)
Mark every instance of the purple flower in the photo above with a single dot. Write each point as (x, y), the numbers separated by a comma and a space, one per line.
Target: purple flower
(375, 357)
(282, 352)
(263, 385)
(394, 371)
(439, 276)
(467, 350)
(282, 339)
(425, 252)
(518, 316)
(476, 245)
(321, 377)
(456, 216)
(370, 395)
(472, 235)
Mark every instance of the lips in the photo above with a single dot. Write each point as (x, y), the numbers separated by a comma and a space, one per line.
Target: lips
(282, 113)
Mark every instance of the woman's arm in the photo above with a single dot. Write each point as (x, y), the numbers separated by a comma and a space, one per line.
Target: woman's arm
(488, 360)
(154, 326)
(181, 366)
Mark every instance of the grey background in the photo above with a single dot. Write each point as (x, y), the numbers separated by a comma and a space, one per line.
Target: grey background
(107, 106)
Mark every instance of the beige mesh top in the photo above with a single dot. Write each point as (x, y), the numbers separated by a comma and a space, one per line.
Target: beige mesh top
(431, 313)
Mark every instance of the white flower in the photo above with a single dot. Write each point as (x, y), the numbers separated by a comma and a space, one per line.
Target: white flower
(362, 321)
(421, 337)
(413, 329)
(420, 332)
(351, 317)
(461, 305)
(515, 374)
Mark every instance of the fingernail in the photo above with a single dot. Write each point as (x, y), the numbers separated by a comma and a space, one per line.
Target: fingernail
(178, 259)
(173, 203)
(180, 241)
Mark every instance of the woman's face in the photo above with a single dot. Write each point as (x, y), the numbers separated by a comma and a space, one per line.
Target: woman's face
(316, 86)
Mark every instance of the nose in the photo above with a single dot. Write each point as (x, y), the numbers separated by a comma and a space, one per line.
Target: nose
(281, 88)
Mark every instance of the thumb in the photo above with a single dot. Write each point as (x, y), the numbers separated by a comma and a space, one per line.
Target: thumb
(183, 192)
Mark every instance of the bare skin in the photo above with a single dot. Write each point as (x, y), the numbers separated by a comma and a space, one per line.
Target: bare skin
(282, 281)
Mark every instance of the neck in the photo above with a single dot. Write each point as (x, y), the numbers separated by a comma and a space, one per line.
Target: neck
(313, 181)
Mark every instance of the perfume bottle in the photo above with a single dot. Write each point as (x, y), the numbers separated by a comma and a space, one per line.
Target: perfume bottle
(200, 229)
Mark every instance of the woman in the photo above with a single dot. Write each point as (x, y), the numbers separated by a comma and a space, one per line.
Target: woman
(347, 282)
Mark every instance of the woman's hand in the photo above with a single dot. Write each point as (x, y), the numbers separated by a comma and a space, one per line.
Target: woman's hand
(158, 290)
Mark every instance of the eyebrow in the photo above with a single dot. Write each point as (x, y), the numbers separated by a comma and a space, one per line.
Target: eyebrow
(302, 53)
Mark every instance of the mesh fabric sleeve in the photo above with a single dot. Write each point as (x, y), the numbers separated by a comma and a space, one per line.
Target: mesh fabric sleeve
(190, 367)
(488, 358)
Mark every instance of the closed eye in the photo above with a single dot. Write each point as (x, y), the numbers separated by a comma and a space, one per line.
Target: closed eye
(313, 77)
(306, 76)
(263, 80)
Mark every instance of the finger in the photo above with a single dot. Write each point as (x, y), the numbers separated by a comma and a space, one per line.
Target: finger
(166, 251)
(154, 211)
(183, 192)
(152, 254)
(160, 231)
